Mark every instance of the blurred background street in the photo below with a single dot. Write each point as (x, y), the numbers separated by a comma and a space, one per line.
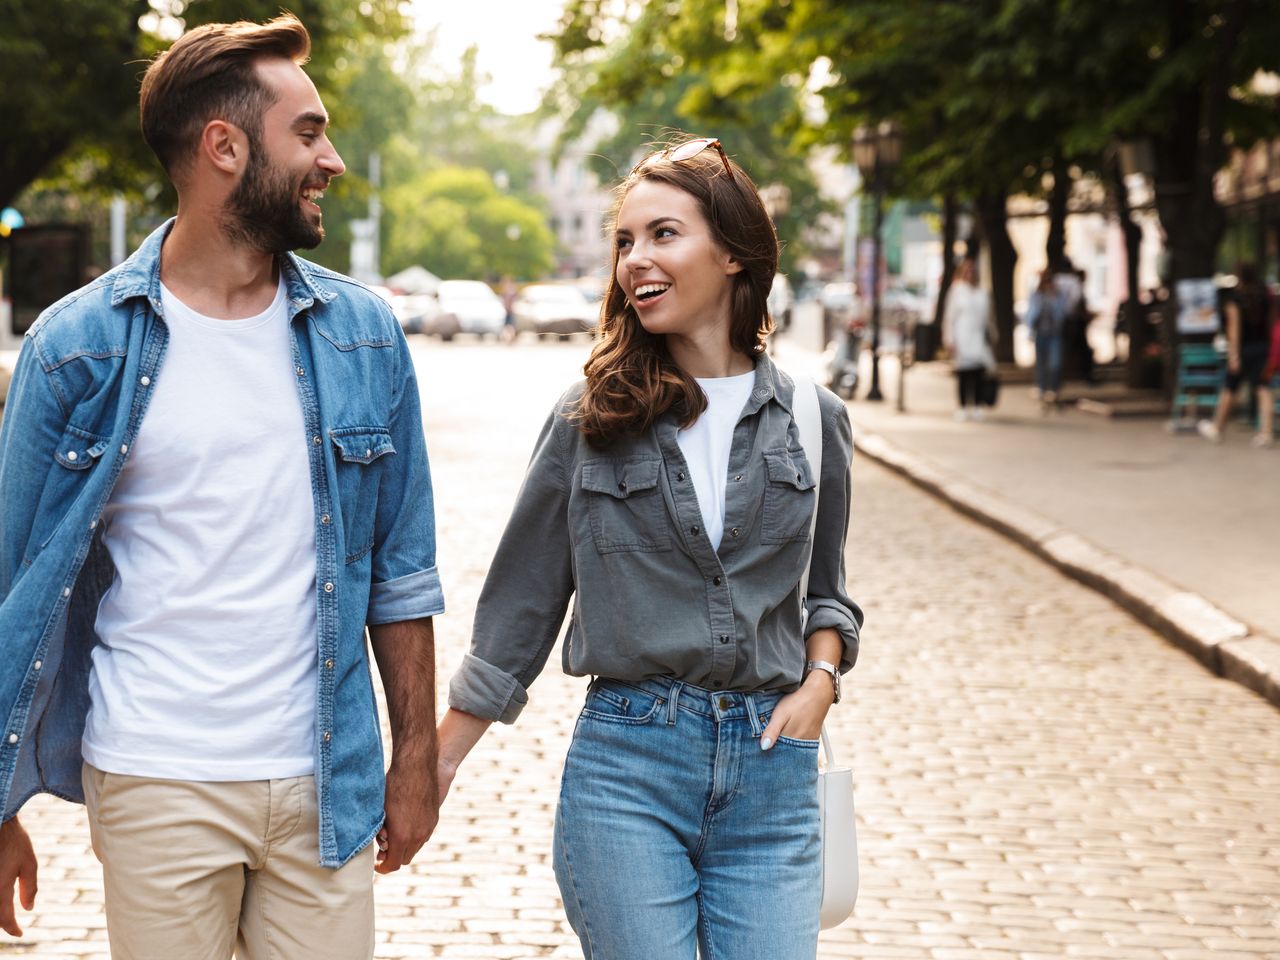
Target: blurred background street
(1064, 725)
(1038, 775)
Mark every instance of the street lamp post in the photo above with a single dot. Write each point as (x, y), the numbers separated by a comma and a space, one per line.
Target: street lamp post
(877, 152)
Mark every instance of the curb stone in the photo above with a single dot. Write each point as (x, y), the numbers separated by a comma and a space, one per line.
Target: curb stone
(1187, 620)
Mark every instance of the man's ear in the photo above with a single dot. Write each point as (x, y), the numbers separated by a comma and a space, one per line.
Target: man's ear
(225, 146)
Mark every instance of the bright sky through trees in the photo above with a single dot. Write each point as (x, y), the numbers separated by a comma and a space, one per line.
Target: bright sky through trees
(506, 33)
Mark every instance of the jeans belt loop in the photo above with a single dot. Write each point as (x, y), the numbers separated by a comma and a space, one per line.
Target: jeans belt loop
(749, 701)
(673, 702)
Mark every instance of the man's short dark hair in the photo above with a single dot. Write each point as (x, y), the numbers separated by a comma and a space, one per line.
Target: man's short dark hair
(208, 74)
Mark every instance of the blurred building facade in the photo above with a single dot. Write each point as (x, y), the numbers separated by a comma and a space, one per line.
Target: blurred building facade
(577, 202)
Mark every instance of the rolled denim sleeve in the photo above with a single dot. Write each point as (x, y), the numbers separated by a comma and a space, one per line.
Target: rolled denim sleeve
(828, 603)
(527, 590)
(405, 583)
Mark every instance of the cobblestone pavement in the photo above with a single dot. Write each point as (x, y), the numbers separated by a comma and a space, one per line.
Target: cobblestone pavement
(1038, 776)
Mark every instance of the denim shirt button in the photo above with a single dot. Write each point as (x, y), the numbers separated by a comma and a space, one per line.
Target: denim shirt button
(327, 736)
(733, 532)
(694, 530)
(325, 518)
(13, 738)
(145, 381)
(124, 448)
(301, 372)
(328, 664)
(316, 439)
(622, 485)
(716, 581)
(680, 477)
(71, 455)
(37, 665)
(738, 478)
(724, 638)
(328, 588)
(66, 591)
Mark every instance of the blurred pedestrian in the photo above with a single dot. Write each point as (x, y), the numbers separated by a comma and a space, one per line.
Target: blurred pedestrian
(507, 291)
(1045, 319)
(1248, 312)
(1077, 353)
(966, 322)
(212, 479)
(670, 499)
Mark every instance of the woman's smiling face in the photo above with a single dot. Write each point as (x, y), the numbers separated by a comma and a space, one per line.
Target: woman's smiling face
(676, 277)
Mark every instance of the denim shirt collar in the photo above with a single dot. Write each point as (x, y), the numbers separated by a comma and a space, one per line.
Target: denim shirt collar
(139, 276)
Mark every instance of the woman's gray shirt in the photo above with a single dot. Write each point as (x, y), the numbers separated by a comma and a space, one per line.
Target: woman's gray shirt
(619, 531)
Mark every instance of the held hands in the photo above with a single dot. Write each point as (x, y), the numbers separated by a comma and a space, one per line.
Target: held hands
(17, 863)
(412, 809)
(800, 714)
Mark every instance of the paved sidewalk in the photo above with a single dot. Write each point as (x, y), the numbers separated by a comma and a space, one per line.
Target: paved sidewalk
(1183, 533)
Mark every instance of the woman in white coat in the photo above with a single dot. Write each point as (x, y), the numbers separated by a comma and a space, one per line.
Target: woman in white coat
(965, 323)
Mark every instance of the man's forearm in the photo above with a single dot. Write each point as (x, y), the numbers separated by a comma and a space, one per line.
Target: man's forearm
(405, 653)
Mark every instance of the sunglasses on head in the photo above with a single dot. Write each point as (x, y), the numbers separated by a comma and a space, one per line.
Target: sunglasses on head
(690, 149)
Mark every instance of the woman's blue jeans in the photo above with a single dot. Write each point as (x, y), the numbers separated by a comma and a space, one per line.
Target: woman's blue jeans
(676, 834)
(1048, 363)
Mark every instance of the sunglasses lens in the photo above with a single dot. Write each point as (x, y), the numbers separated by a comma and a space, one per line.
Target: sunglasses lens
(690, 149)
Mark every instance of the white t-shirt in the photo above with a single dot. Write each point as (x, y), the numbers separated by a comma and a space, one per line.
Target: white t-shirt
(206, 665)
(706, 446)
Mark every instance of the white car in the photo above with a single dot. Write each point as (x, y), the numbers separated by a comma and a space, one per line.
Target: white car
(555, 308)
(478, 309)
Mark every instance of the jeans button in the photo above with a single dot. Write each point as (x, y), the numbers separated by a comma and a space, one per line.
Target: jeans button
(724, 703)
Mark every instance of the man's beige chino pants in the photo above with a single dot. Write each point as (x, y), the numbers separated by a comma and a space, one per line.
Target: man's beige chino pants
(194, 870)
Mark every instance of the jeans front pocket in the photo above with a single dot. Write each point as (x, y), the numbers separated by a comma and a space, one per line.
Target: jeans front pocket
(627, 510)
(360, 452)
(789, 497)
(619, 703)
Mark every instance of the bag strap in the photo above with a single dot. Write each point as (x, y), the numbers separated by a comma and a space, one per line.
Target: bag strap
(808, 417)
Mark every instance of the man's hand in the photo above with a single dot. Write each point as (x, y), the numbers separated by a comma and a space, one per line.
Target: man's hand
(17, 862)
(412, 810)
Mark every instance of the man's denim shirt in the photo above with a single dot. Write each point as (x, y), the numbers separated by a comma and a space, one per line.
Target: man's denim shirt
(78, 396)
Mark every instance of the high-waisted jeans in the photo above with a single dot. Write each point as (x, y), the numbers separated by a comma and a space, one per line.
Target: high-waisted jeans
(677, 836)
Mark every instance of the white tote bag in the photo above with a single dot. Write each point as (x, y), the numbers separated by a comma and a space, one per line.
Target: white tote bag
(835, 784)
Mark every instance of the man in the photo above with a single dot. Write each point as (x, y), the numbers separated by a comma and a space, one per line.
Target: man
(212, 477)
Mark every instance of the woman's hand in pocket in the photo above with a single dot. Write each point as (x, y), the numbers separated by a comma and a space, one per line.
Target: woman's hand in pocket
(800, 714)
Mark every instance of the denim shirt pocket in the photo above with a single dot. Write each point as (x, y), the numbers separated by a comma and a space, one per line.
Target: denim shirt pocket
(627, 510)
(359, 460)
(788, 497)
(77, 453)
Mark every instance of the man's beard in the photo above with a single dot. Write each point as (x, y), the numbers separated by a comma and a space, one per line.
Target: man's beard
(265, 211)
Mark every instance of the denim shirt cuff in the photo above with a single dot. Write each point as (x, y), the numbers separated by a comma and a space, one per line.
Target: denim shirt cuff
(410, 597)
(832, 616)
(485, 691)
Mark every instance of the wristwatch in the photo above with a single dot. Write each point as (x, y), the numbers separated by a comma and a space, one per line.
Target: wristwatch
(828, 668)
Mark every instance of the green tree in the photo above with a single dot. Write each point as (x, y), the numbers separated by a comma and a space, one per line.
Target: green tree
(456, 223)
(69, 76)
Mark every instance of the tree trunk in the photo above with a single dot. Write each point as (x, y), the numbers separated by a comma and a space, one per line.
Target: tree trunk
(1187, 156)
(993, 223)
(950, 214)
(1056, 248)
(1131, 310)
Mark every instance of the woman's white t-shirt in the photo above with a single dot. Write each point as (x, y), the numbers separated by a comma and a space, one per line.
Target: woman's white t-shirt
(706, 446)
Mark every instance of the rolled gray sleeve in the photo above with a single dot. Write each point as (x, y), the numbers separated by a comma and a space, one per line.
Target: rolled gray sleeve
(828, 604)
(526, 591)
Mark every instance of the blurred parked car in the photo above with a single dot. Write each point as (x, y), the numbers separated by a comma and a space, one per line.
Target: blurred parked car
(422, 313)
(554, 308)
(478, 309)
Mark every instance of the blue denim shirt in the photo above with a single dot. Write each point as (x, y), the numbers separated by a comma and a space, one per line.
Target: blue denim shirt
(78, 395)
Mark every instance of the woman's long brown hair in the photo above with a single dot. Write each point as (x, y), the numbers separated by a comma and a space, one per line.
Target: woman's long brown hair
(631, 378)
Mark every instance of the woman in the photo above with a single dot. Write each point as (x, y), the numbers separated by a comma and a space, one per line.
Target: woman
(964, 331)
(1045, 318)
(669, 497)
